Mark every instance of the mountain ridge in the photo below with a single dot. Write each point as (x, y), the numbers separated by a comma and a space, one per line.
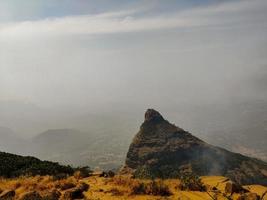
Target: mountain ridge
(161, 149)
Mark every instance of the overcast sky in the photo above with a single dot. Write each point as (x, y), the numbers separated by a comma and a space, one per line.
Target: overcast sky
(150, 53)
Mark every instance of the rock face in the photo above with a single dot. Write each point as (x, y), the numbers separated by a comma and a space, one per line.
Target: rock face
(161, 149)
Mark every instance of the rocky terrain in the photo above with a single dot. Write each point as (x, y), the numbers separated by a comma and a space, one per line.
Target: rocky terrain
(97, 187)
(160, 149)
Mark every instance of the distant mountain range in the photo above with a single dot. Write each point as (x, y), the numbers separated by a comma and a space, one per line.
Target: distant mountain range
(102, 139)
(162, 150)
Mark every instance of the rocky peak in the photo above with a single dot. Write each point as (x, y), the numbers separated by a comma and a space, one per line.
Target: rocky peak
(160, 149)
(152, 115)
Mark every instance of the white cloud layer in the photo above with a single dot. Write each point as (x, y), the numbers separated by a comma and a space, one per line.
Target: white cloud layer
(206, 54)
(129, 21)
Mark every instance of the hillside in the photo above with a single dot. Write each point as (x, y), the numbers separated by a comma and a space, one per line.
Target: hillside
(161, 149)
(12, 165)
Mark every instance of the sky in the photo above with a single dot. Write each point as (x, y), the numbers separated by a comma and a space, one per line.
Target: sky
(89, 54)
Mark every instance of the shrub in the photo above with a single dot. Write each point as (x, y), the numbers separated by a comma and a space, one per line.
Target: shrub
(157, 188)
(82, 172)
(143, 172)
(123, 181)
(12, 166)
(139, 188)
(190, 181)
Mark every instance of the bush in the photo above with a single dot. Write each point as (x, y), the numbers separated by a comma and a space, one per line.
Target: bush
(192, 182)
(139, 188)
(12, 166)
(82, 172)
(143, 172)
(125, 181)
(157, 188)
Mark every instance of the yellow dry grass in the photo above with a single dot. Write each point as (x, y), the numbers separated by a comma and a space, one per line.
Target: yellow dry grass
(41, 184)
(120, 187)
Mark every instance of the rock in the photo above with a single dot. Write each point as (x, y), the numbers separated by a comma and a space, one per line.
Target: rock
(7, 195)
(108, 174)
(54, 195)
(232, 187)
(111, 174)
(66, 185)
(152, 114)
(74, 193)
(33, 195)
(161, 149)
(103, 174)
(83, 186)
(249, 196)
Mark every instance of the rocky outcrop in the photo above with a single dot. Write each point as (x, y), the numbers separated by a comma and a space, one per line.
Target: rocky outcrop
(77, 192)
(161, 149)
(232, 187)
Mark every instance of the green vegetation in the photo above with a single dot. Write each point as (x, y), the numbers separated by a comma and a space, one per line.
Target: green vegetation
(14, 166)
(82, 172)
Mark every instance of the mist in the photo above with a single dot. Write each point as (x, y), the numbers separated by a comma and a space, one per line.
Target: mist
(189, 62)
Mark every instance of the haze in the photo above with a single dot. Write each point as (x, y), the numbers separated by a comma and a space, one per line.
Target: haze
(62, 61)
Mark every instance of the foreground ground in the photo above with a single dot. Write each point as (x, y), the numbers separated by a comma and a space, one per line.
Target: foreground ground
(119, 187)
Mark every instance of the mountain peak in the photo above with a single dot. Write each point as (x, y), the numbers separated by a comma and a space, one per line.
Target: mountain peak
(152, 115)
(160, 149)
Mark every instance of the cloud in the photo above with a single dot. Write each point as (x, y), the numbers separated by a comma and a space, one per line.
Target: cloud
(200, 54)
(137, 21)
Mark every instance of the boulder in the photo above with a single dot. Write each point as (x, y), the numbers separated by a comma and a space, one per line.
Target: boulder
(33, 195)
(232, 187)
(111, 174)
(83, 186)
(66, 186)
(7, 195)
(74, 193)
(108, 174)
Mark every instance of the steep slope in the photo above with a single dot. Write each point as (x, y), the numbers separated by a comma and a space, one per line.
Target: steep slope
(161, 149)
(12, 165)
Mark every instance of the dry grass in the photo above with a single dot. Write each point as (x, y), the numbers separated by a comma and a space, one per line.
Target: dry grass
(117, 188)
(41, 184)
